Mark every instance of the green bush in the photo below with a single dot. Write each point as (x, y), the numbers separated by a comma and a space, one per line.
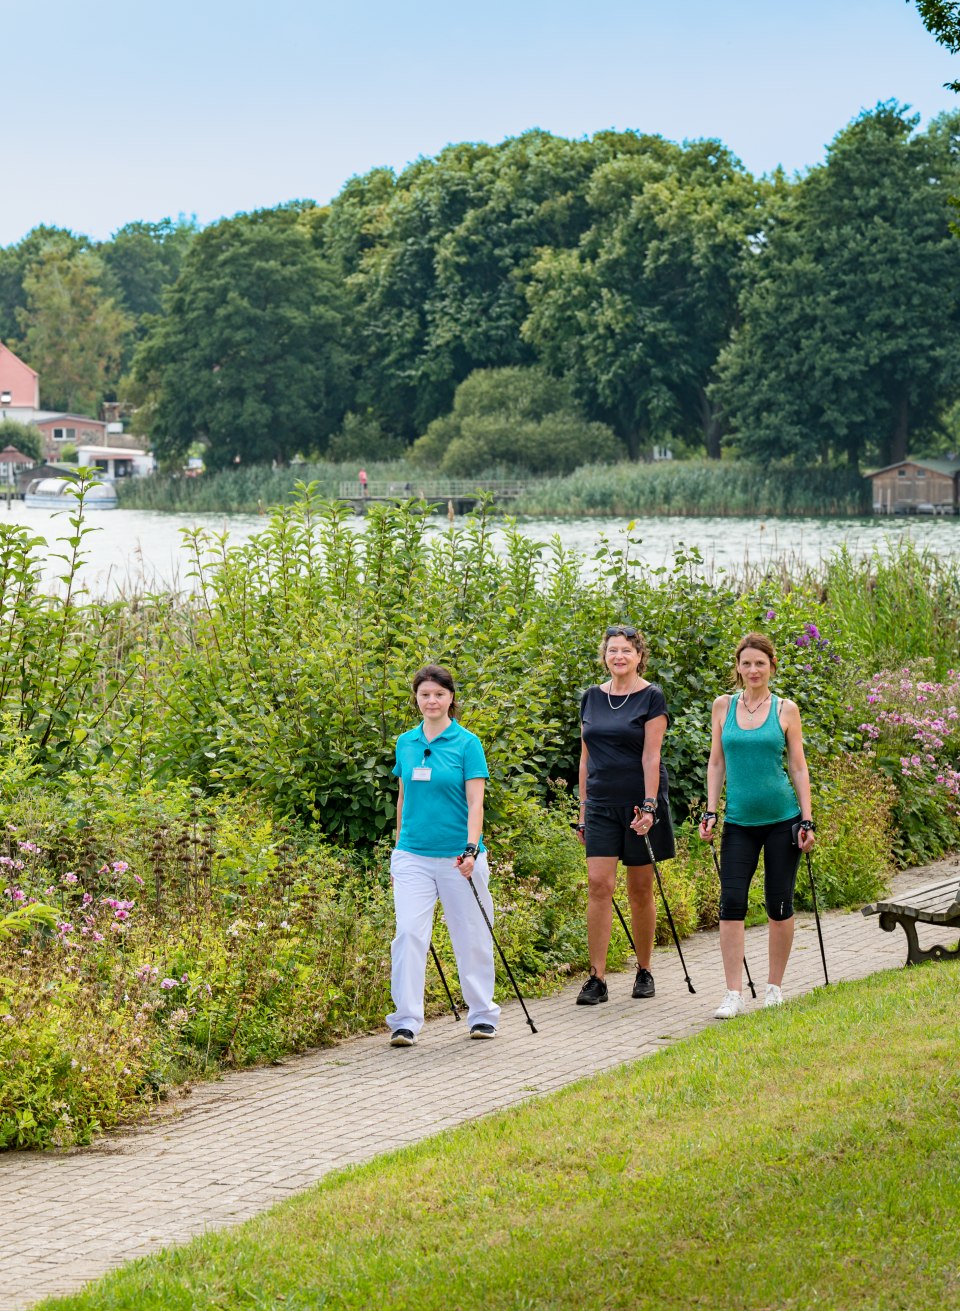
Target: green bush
(854, 807)
(516, 417)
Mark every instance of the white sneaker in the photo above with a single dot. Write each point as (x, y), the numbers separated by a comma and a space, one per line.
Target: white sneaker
(731, 1006)
(774, 995)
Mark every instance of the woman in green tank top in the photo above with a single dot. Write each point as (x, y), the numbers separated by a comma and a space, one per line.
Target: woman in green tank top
(752, 728)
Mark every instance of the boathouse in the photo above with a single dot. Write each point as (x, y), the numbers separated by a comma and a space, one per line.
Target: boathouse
(917, 485)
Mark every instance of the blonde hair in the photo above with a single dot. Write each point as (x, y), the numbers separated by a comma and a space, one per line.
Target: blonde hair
(754, 642)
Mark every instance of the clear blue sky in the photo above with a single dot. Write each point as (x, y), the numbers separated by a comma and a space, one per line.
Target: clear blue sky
(118, 110)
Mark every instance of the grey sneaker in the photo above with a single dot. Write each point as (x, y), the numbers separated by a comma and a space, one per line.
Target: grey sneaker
(483, 1031)
(402, 1038)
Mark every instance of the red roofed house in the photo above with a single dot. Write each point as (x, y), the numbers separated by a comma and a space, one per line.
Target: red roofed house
(20, 401)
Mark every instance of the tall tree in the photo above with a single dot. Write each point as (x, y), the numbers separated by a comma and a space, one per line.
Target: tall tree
(17, 260)
(249, 356)
(143, 259)
(436, 262)
(850, 336)
(942, 19)
(73, 334)
(636, 315)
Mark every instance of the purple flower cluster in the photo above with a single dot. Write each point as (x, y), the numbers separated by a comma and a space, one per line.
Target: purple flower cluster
(917, 721)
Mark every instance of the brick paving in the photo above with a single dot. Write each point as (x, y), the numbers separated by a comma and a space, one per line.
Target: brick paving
(234, 1147)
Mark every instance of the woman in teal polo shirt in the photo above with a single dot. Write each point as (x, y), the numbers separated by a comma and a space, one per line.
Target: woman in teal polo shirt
(442, 772)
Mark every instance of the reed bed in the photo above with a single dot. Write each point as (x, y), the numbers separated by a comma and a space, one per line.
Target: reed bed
(699, 487)
(248, 490)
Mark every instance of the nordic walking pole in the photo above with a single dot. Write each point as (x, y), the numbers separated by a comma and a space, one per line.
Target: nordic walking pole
(816, 915)
(506, 966)
(443, 980)
(666, 907)
(716, 862)
(633, 947)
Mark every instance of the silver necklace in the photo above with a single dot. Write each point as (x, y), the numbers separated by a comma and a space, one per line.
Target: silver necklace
(751, 713)
(625, 699)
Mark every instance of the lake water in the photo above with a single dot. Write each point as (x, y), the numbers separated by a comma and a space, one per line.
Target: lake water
(132, 549)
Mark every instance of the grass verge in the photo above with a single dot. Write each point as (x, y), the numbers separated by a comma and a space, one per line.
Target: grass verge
(806, 1157)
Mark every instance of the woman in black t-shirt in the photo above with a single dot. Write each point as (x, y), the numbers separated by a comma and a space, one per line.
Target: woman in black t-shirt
(623, 800)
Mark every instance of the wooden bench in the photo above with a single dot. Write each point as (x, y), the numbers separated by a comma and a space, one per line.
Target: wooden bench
(936, 903)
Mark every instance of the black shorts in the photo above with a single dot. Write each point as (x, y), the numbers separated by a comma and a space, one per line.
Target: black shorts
(740, 848)
(608, 833)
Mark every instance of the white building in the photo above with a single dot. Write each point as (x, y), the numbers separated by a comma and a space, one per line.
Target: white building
(116, 461)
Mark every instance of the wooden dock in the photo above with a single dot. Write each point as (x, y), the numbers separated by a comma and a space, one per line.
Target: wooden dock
(458, 494)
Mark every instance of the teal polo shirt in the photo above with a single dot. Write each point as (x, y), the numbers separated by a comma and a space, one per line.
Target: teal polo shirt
(434, 821)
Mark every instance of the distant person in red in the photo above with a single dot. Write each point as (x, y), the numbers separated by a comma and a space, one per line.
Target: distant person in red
(362, 476)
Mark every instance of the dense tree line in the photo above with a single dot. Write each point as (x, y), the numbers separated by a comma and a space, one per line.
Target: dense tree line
(536, 302)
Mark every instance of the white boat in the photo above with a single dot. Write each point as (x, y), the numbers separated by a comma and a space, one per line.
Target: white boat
(54, 494)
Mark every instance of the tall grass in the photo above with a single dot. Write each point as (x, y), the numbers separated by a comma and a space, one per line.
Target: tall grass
(687, 487)
(699, 487)
(903, 607)
(247, 490)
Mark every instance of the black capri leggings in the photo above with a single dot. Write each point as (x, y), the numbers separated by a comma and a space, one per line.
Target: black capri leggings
(740, 848)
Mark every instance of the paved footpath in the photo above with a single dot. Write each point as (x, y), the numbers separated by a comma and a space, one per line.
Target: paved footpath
(234, 1147)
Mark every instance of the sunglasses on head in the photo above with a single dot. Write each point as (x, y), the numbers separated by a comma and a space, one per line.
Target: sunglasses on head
(621, 630)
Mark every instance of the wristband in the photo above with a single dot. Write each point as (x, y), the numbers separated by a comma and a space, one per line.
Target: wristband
(471, 849)
(707, 815)
(580, 828)
(808, 826)
(649, 806)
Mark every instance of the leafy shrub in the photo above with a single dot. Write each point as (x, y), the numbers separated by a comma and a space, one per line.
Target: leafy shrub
(361, 438)
(520, 417)
(854, 806)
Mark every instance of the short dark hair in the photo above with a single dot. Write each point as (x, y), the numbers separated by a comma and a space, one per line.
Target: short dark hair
(436, 674)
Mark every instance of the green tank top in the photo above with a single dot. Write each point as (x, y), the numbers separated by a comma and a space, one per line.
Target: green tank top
(758, 789)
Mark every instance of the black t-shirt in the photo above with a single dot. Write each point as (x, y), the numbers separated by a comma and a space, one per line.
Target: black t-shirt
(614, 739)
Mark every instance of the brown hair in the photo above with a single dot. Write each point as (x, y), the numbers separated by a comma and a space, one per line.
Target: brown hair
(436, 674)
(637, 642)
(754, 642)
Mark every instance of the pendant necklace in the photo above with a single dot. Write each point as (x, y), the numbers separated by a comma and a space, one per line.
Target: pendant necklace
(752, 712)
(623, 702)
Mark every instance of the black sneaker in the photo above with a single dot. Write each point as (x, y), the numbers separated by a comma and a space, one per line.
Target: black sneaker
(402, 1038)
(643, 984)
(593, 992)
(483, 1031)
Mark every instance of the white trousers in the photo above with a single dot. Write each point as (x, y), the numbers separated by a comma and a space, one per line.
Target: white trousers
(417, 883)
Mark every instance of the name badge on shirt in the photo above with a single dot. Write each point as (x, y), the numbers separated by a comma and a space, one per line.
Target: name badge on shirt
(421, 773)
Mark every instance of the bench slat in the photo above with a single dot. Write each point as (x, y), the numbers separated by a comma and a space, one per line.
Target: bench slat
(936, 903)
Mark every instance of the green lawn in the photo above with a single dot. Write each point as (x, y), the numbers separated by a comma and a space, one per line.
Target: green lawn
(808, 1157)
